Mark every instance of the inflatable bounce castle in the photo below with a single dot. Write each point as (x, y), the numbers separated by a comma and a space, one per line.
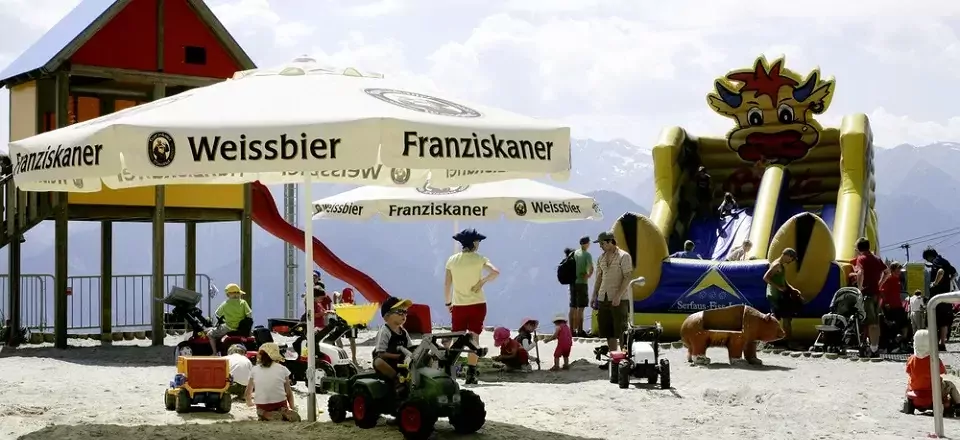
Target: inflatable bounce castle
(798, 185)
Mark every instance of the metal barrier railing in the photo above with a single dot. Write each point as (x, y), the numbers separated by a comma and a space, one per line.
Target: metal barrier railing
(132, 298)
(33, 289)
(952, 297)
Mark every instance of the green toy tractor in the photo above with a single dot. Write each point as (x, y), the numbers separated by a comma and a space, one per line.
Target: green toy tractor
(431, 391)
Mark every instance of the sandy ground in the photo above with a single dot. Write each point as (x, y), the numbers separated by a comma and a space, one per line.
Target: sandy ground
(115, 394)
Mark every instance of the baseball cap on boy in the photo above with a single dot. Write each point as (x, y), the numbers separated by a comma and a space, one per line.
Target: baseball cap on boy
(392, 304)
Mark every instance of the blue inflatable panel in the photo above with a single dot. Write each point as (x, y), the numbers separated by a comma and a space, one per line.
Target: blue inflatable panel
(714, 237)
(688, 286)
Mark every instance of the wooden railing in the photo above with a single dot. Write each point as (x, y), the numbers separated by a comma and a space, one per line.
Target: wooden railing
(21, 210)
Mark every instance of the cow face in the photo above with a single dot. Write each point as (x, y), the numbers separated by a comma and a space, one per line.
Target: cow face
(773, 109)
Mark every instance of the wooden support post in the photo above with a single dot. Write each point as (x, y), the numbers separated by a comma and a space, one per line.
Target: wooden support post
(60, 271)
(246, 244)
(61, 227)
(190, 259)
(159, 221)
(13, 260)
(106, 283)
(158, 288)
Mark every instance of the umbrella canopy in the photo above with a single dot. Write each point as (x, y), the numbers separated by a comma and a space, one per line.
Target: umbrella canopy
(518, 199)
(274, 124)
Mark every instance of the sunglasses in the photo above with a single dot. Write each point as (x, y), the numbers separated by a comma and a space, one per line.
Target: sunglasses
(399, 312)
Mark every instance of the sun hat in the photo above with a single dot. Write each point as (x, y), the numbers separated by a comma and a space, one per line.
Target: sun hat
(468, 236)
(559, 318)
(535, 322)
(394, 303)
(233, 289)
(272, 350)
(500, 335)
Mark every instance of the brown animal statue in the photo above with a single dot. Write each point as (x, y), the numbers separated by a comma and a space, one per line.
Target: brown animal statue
(736, 327)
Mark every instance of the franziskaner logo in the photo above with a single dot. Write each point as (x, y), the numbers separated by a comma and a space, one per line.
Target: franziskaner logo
(419, 102)
(432, 191)
(161, 149)
(520, 207)
(400, 175)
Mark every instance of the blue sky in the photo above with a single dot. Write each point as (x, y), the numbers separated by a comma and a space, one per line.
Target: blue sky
(609, 68)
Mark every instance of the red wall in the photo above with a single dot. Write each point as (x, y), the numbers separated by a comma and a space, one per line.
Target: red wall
(129, 41)
(184, 28)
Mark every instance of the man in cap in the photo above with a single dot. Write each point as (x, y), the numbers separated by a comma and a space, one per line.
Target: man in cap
(463, 290)
(231, 311)
(611, 291)
(579, 294)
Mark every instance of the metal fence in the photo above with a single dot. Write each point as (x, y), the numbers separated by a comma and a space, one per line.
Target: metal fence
(132, 297)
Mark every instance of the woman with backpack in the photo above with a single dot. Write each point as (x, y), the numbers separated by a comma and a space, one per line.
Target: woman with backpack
(941, 273)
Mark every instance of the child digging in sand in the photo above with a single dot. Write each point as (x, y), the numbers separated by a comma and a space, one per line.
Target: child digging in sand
(564, 338)
(918, 368)
(269, 387)
(512, 355)
(525, 334)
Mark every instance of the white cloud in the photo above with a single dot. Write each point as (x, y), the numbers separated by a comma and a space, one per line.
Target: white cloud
(611, 68)
(375, 9)
(39, 15)
(247, 17)
(593, 61)
(890, 130)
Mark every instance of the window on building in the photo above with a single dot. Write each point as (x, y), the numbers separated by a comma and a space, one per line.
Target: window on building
(195, 55)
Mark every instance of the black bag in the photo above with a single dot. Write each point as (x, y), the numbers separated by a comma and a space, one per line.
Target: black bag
(262, 335)
(567, 269)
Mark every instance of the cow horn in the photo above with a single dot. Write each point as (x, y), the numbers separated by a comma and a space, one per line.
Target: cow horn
(731, 98)
(804, 91)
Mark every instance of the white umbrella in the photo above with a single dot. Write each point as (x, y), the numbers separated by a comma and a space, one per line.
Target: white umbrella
(299, 117)
(518, 199)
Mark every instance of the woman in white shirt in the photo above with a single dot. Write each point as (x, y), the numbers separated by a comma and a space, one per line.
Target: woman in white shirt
(269, 387)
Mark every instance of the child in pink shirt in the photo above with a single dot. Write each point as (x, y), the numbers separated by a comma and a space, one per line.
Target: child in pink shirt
(564, 338)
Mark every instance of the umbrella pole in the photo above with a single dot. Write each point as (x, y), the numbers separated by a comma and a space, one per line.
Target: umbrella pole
(536, 347)
(308, 276)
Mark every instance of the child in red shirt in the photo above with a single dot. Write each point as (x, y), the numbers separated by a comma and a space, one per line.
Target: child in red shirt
(918, 368)
(512, 355)
(564, 338)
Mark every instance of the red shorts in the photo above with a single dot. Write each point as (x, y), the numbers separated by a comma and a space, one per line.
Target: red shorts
(469, 318)
(560, 352)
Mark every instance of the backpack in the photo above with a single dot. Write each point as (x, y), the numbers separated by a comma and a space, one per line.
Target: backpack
(567, 269)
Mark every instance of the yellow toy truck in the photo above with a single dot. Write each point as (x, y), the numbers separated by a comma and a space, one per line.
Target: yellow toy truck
(200, 380)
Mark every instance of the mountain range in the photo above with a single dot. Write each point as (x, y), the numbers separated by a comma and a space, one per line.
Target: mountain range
(407, 258)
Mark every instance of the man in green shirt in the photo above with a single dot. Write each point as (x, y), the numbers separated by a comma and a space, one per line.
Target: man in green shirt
(579, 291)
(233, 310)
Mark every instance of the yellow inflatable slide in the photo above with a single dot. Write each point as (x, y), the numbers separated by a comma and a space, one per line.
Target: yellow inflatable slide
(796, 184)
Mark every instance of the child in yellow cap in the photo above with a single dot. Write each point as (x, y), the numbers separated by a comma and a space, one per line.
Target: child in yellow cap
(233, 310)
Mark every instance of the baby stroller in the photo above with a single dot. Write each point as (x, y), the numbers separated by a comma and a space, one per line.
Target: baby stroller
(840, 329)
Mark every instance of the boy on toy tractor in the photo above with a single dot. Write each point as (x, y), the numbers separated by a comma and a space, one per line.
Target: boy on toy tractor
(416, 387)
(230, 313)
